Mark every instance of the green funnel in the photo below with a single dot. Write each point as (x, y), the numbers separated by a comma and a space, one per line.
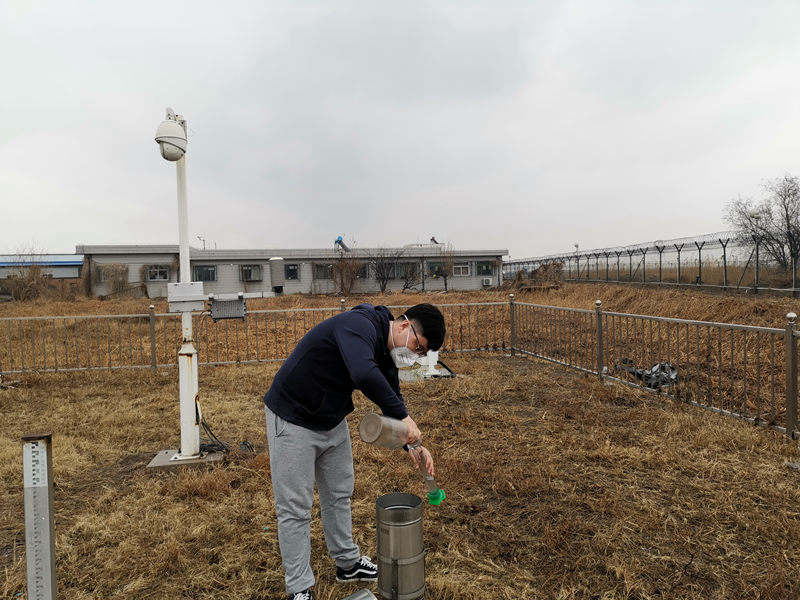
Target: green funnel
(435, 498)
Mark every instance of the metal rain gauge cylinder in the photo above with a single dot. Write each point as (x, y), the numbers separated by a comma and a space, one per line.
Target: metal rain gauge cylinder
(401, 555)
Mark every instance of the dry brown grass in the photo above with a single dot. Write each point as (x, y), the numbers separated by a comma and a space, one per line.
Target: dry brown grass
(90, 306)
(688, 304)
(558, 487)
(712, 274)
(764, 310)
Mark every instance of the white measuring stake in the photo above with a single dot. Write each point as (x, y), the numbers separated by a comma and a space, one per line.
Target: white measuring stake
(39, 541)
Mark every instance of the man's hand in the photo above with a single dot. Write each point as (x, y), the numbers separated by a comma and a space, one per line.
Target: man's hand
(413, 430)
(422, 453)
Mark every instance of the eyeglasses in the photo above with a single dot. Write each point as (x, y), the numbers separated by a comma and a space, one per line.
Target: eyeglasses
(420, 348)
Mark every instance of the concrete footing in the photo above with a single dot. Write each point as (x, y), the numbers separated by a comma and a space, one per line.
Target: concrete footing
(163, 460)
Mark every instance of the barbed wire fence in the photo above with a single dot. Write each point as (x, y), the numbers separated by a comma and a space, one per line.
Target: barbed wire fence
(725, 259)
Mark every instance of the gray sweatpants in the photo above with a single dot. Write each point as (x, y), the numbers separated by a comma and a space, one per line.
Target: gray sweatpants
(298, 457)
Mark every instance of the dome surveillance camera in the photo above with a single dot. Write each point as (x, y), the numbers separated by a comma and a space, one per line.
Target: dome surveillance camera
(171, 138)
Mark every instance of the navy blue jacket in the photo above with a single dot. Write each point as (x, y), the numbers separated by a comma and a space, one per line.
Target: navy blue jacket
(314, 387)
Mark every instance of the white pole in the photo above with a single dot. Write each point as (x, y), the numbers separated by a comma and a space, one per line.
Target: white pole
(183, 215)
(187, 356)
(188, 388)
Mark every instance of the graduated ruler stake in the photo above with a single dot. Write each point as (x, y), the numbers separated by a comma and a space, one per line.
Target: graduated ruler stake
(39, 540)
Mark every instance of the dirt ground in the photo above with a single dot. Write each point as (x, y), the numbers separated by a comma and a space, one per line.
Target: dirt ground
(558, 487)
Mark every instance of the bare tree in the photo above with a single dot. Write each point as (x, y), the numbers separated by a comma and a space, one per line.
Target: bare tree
(115, 275)
(443, 265)
(410, 273)
(347, 268)
(384, 265)
(773, 222)
(26, 279)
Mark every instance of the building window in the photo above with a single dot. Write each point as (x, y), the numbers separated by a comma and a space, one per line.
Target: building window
(323, 271)
(461, 269)
(484, 268)
(363, 271)
(291, 272)
(251, 273)
(205, 273)
(157, 273)
(399, 270)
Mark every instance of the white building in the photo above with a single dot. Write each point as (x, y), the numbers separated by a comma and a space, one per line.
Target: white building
(148, 268)
(56, 266)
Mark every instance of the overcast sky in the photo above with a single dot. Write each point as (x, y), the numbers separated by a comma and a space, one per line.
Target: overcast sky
(528, 126)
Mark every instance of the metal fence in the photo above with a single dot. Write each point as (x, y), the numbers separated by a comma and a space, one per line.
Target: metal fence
(723, 260)
(151, 340)
(743, 371)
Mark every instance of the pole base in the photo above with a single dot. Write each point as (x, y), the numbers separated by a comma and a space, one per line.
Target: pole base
(165, 460)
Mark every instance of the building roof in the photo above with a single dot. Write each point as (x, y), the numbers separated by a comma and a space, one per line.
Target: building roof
(415, 251)
(42, 260)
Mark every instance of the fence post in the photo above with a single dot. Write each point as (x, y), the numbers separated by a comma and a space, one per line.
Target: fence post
(599, 336)
(341, 305)
(630, 265)
(39, 539)
(644, 265)
(791, 376)
(756, 280)
(699, 262)
(512, 322)
(724, 263)
(153, 362)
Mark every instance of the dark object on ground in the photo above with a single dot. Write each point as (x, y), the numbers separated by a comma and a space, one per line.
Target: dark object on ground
(450, 372)
(210, 442)
(659, 375)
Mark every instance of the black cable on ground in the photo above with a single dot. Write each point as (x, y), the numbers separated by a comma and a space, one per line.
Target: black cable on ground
(213, 443)
(452, 373)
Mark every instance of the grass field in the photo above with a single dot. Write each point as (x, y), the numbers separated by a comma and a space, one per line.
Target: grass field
(712, 273)
(558, 487)
(681, 303)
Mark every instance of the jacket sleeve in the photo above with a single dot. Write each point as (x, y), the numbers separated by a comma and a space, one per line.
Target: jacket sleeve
(355, 336)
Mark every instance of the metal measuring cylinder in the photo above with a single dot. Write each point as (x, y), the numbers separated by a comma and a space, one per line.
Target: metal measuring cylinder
(382, 431)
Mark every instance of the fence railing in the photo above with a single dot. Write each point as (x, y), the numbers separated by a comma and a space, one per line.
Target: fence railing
(151, 340)
(744, 371)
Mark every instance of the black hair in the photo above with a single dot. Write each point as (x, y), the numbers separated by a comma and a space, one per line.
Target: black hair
(431, 321)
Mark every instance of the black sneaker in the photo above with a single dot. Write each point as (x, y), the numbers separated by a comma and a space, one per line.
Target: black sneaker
(363, 570)
(306, 595)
